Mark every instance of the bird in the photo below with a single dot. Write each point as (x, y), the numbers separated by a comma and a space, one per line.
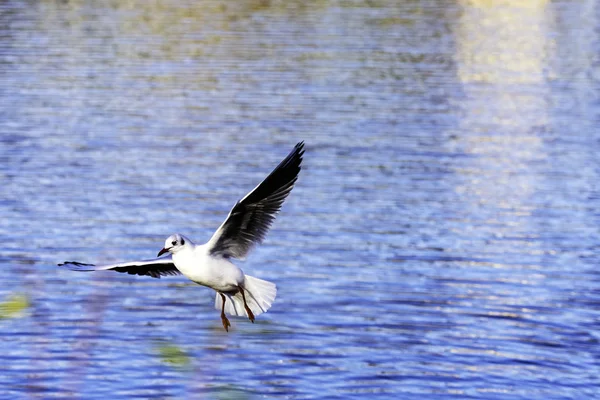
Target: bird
(210, 264)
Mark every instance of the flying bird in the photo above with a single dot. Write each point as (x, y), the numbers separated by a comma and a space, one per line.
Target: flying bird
(210, 264)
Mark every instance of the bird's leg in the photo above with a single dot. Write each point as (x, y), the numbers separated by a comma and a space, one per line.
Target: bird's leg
(224, 319)
(248, 310)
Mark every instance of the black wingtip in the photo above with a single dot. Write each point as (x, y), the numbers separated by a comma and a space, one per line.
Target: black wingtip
(77, 266)
(294, 158)
(76, 263)
(299, 148)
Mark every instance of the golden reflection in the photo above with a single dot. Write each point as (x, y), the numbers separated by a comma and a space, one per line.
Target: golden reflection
(129, 31)
(503, 41)
(502, 53)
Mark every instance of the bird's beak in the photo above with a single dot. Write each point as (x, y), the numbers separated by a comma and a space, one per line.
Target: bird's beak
(162, 251)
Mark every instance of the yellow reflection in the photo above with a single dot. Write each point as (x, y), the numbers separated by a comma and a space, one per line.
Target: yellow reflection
(503, 41)
(502, 52)
(512, 3)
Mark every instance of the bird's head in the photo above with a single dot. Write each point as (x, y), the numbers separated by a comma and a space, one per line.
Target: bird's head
(173, 244)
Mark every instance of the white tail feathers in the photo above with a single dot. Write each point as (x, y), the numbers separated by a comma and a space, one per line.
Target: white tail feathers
(259, 297)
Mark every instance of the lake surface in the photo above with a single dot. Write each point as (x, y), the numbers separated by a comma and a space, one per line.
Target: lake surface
(442, 240)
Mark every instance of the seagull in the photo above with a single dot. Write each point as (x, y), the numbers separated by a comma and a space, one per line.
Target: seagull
(210, 264)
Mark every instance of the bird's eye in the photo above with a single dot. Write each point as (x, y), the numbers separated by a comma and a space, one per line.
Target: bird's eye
(174, 242)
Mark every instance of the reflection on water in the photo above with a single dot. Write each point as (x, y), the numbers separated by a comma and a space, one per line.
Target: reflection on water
(440, 241)
(502, 54)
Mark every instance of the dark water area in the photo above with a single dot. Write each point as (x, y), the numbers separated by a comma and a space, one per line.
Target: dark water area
(441, 242)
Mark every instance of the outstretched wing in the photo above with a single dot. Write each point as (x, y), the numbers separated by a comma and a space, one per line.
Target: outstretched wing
(251, 217)
(155, 268)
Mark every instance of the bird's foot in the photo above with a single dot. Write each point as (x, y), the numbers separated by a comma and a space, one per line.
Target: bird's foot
(250, 313)
(225, 322)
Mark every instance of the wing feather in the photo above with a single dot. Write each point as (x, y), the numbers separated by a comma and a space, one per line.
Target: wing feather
(250, 218)
(155, 268)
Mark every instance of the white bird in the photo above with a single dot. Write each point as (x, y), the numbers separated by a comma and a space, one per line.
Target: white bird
(210, 264)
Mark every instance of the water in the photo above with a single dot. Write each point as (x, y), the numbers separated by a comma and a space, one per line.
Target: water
(442, 241)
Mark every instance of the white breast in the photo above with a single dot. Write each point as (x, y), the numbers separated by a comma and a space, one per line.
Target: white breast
(199, 266)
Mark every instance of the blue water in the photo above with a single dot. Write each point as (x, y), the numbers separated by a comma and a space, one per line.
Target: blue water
(441, 242)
